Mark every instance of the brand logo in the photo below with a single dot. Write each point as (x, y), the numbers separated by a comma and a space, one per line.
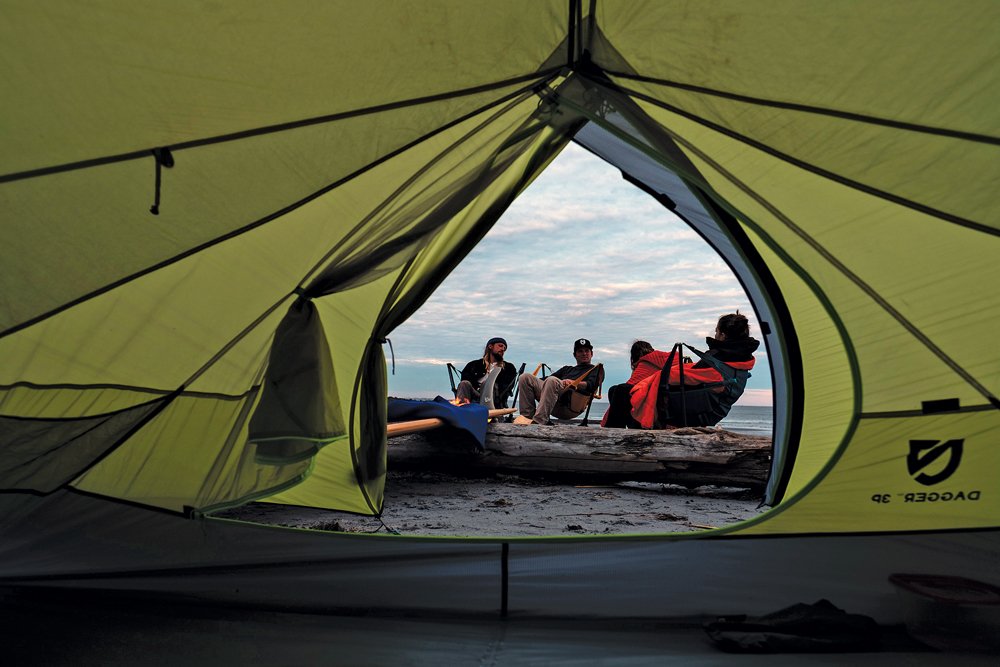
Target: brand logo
(925, 452)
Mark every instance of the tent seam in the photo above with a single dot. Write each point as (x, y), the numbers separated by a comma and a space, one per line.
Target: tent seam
(820, 171)
(123, 387)
(271, 129)
(266, 219)
(806, 108)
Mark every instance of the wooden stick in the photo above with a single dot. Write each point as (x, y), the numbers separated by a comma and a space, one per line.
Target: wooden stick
(417, 425)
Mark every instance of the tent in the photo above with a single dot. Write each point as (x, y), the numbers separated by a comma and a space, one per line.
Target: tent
(213, 214)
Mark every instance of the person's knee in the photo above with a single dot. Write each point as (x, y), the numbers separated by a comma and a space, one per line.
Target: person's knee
(532, 383)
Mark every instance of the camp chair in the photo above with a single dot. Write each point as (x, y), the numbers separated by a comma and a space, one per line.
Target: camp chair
(511, 387)
(454, 377)
(697, 405)
(573, 403)
(500, 394)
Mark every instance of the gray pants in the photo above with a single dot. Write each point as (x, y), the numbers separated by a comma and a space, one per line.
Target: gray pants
(467, 391)
(546, 394)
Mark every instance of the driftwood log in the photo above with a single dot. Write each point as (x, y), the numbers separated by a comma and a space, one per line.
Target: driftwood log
(689, 457)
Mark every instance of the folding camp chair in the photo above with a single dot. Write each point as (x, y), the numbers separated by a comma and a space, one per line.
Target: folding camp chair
(575, 403)
(597, 394)
(696, 405)
(539, 367)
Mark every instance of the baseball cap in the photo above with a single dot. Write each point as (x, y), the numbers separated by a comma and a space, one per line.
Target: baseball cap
(496, 339)
(582, 342)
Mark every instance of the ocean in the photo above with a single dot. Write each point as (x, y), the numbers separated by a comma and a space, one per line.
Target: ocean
(748, 419)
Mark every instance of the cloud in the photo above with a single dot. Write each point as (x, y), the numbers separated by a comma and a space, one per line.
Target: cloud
(757, 397)
(423, 361)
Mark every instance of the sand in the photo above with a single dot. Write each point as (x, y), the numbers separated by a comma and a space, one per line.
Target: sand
(505, 505)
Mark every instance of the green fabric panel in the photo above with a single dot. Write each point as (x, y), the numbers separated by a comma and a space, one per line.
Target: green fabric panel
(939, 84)
(215, 85)
(43, 454)
(918, 62)
(112, 77)
(332, 484)
(159, 330)
(62, 402)
(829, 389)
(193, 454)
(100, 229)
(911, 165)
(868, 488)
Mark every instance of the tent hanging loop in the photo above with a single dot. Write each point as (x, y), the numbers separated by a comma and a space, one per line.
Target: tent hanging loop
(548, 105)
(164, 158)
(548, 100)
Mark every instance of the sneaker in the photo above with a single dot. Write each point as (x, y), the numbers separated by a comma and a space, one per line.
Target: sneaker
(522, 420)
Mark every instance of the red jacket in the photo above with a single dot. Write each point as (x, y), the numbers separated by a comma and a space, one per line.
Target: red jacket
(647, 365)
(645, 391)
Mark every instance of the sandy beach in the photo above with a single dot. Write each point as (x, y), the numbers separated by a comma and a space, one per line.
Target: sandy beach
(425, 503)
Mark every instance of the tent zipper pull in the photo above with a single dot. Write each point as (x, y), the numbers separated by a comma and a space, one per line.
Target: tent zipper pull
(163, 158)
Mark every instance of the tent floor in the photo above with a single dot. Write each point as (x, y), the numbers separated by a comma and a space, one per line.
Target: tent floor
(58, 627)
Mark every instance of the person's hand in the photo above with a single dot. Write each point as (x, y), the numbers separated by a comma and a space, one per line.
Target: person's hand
(567, 384)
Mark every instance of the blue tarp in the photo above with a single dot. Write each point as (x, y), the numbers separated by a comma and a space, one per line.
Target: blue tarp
(470, 418)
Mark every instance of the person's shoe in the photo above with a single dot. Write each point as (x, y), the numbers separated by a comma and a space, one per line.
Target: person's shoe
(522, 420)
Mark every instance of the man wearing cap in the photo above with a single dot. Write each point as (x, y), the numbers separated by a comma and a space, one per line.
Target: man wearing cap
(552, 393)
(477, 370)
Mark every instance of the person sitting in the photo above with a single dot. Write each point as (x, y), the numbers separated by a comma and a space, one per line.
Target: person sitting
(710, 386)
(476, 372)
(645, 362)
(554, 394)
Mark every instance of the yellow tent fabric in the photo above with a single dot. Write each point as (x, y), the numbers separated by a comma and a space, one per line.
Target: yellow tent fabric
(183, 184)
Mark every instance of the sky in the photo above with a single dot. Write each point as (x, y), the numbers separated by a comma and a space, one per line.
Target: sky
(580, 254)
